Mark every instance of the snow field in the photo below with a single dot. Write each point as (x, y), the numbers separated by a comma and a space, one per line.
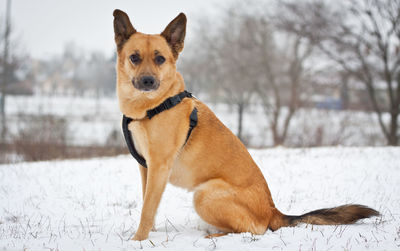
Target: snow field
(95, 204)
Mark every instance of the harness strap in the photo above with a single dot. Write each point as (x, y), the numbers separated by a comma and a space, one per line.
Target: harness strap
(167, 104)
(129, 141)
(192, 125)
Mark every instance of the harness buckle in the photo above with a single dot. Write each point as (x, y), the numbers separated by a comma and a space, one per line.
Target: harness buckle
(175, 100)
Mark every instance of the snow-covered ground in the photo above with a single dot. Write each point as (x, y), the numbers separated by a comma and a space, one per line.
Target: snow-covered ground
(95, 204)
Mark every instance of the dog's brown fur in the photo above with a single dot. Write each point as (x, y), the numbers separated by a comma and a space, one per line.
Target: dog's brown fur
(230, 191)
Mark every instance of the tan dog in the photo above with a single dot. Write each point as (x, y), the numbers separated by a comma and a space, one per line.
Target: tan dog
(230, 191)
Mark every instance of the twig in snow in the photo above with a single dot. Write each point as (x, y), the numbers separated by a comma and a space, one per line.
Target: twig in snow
(314, 245)
(34, 236)
(130, 237)
(377, 241)
(108, 234)
(194, 243)
(348, 247)
(51, 236)
(214, 245)
(172, 225)
(83, 228)
(280, 237)
(166, 231)
(122, 240)
(152, 243)
(90, 232)
(341, 231)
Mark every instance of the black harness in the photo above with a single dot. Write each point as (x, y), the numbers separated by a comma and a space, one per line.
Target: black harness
(167, 104)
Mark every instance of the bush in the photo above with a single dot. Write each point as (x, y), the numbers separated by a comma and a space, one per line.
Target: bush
(41, 137)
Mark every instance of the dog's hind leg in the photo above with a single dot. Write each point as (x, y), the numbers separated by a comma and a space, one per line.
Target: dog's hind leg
(226, 207)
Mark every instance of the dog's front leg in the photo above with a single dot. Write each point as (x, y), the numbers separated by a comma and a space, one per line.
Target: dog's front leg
(143, 173)
(157, 177)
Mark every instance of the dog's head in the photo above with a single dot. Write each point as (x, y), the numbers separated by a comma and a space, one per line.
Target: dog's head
(146, 64)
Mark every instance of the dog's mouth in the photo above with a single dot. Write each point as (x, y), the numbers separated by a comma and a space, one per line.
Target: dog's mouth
(146, 83)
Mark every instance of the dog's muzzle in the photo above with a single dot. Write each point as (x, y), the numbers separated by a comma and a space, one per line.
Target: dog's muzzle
(146, 83)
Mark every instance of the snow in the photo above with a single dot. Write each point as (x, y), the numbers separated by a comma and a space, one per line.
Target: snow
(95, 204)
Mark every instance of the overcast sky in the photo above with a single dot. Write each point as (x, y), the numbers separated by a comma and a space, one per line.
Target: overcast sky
(43, 27)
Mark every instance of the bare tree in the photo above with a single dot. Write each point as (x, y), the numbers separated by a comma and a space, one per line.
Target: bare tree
(363, 38)
(281, 73)
(193, 64)
(11, 67)
(5, 69)
(99, 75)
(226, 54)
(240, 58)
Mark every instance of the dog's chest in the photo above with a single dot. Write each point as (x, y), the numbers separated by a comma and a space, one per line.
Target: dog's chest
(139, 137)
(181, 175)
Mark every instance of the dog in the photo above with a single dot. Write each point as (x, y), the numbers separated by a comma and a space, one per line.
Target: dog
(230, 192)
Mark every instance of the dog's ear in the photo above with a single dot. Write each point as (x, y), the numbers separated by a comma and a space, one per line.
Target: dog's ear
(123, 28)
(174, 33)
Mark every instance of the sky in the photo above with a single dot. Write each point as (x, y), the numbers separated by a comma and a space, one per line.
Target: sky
(43, 27)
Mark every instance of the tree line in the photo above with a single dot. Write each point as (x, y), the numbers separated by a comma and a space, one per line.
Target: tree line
(279, 55)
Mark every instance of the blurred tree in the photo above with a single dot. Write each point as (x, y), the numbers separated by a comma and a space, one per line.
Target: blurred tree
(241, 60)
(279, 72)
(10, 63)
(191, 64)
(363, 38)
(221, 61)
(5, 69)
(284, 82)
(73, 69)
(100, 76)
(76, 72)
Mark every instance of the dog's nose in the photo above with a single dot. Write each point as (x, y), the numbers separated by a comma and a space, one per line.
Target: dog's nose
(147, 81)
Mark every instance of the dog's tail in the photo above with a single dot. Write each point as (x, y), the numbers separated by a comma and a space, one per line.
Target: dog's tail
(346, 214)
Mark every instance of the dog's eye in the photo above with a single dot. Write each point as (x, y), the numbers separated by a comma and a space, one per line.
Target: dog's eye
(159, 60)
(135, 58)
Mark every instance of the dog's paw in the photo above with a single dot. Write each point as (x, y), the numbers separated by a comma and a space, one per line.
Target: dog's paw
(140, 236)
(210, 236)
